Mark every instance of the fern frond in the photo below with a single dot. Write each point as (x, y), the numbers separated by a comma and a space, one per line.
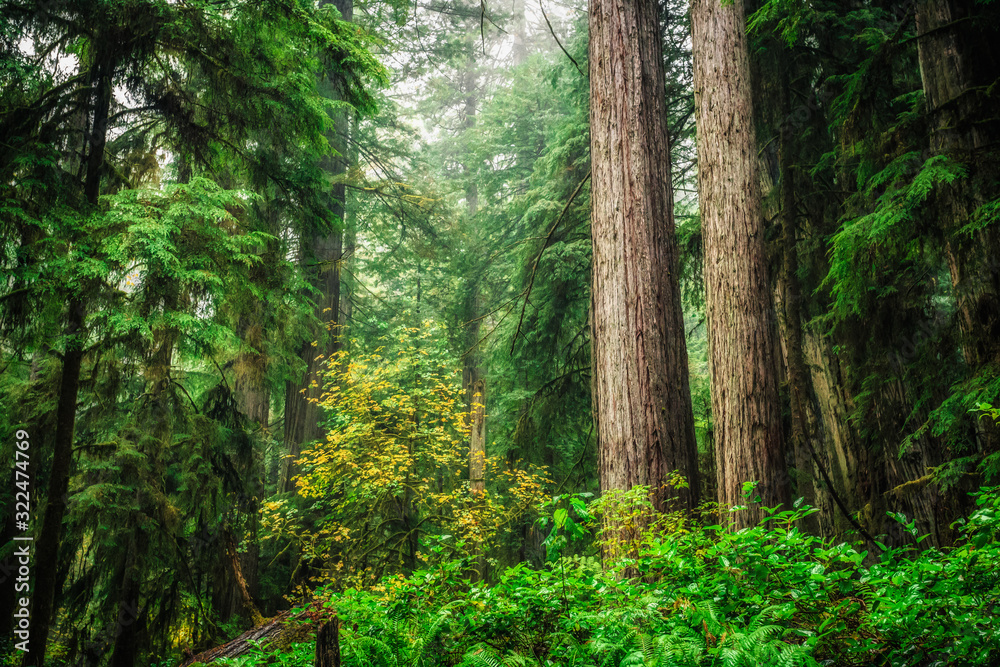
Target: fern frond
(361, 646)
(482, 656)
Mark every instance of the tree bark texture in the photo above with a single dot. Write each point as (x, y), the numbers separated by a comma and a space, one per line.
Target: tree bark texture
(641, 396)
(745, 399)
(328, 644)
(956, 49)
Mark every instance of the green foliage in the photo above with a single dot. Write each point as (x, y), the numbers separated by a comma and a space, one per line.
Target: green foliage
(899, 191)
(770, 594)
(389, 482)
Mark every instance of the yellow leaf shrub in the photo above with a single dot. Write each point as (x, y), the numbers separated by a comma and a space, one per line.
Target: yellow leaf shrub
(392, 471)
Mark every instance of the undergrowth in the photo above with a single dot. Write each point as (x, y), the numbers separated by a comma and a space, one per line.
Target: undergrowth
(699, 595)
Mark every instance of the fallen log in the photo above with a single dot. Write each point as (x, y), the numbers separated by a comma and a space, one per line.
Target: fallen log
(275, 633)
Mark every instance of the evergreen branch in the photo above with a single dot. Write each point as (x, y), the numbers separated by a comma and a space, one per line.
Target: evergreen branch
(223, 374)
(193, 405)
(495, 326)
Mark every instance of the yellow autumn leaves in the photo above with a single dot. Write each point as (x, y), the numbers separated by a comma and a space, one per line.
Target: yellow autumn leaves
(392, 471)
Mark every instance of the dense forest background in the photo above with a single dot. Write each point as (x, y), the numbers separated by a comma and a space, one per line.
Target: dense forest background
(416, 312)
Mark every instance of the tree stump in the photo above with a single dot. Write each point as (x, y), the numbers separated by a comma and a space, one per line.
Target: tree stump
(328, 644)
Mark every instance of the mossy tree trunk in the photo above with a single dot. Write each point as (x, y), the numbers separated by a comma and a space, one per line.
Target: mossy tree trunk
(321, 252)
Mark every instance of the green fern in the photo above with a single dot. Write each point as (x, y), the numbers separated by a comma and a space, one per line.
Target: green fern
(482, 656)
(365, 648)
(427, 637)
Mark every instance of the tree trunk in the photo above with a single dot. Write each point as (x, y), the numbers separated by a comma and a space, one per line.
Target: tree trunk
(321, 257)
(519, 48)
(477, 461)
(254, 399)
(958, 66)
(103, 75)
(47, 547)
(641, 397)
(477, 439)
(771, 80)
(328, 644)
(798, 375)
(473, 379)
(745, 399)
(128, 629)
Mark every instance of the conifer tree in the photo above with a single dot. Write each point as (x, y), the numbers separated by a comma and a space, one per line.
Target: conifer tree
(744, 366)
(642, 402)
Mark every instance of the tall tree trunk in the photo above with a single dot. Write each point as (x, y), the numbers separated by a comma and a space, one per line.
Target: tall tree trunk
(322, 252)
(641, 397)
(745, 400)
(473, 374)
(956, 49)
(47, 547)
(771, 81)
(798, 375)
(519, 48)
(477, 439)
(475, 393)
(254, 399)
(129, 628)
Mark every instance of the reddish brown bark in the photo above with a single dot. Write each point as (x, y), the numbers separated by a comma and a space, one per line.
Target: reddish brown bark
(745, 399)
(642, 401)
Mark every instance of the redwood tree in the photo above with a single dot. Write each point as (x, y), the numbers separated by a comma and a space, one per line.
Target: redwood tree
(958, 60)
(642, 402)
(745, 400)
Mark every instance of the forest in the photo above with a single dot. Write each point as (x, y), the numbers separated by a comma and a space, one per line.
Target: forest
(620, 333)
